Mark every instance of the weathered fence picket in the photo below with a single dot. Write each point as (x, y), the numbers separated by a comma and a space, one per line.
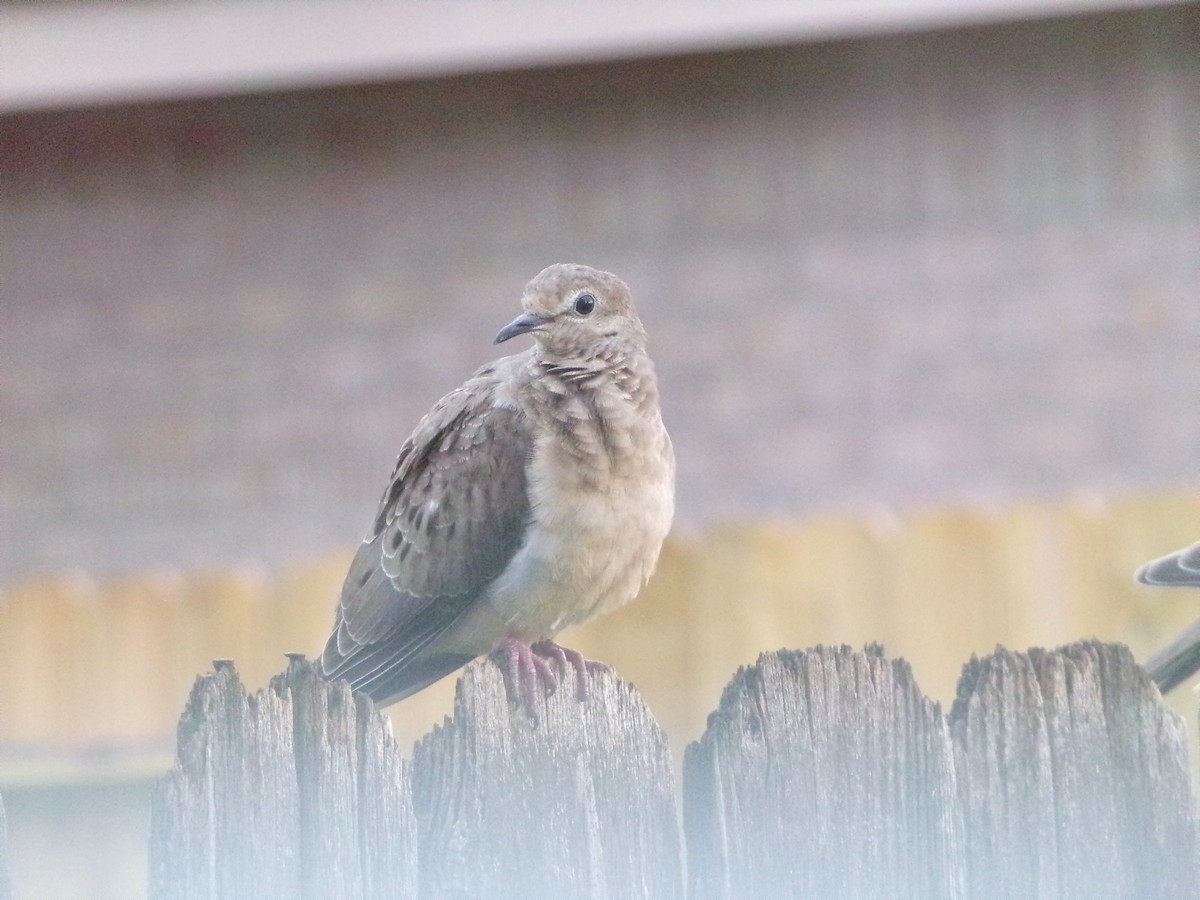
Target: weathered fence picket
(5, 883)
(1056, 775)
(298, 790)
(1073, 779)
(824, 773)
(577, 802)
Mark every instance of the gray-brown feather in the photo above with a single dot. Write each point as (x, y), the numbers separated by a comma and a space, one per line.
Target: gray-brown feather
(1178, 569)
(451, 518)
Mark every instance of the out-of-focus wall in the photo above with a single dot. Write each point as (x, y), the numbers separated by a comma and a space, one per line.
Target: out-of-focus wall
(891, 270)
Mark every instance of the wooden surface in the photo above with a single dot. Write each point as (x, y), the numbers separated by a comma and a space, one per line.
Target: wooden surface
(1056, 775)
(296, 791)
(825, 773)
(1074, 779)
(574, 800)
(5, 883)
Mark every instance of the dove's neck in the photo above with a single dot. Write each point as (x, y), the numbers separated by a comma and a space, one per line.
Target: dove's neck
(607, 377)
(601, 410)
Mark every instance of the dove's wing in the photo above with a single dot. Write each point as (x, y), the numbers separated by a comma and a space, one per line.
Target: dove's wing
(453, 515)
(1181, 568)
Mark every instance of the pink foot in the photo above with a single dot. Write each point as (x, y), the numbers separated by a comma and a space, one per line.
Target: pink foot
(565, 657)
(524, 671)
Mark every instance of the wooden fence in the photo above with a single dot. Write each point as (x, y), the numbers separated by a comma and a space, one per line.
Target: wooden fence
(5, 881)
(98, 669)
(108, 663)
(825, 773)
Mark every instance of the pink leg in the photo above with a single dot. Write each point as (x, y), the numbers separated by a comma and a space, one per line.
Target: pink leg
(523, 671)
(565, 657)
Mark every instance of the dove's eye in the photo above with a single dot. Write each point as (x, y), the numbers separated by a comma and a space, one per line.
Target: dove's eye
(584, 304)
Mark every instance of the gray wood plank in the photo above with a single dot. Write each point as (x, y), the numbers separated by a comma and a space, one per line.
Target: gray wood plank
(825, 774)
(295, 791)
(387, 824)
(1058, 775)
(5, 880)
(357, 831)
(575, 800)
(224, 821)
(1074, 779)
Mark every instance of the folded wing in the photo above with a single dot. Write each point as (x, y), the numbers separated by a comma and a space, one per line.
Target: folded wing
(453, 515)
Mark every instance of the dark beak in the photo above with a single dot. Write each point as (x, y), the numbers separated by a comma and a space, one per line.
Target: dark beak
(522, 324)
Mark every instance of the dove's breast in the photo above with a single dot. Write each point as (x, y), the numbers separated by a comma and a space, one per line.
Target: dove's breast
(598, 523)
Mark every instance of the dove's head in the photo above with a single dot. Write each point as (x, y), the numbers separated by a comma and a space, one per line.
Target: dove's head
(577, 312)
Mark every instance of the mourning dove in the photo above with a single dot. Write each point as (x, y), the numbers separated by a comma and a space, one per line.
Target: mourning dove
(1178, 569)
(534, 497)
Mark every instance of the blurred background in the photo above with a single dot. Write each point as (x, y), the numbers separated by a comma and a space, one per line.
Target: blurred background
(921, 280)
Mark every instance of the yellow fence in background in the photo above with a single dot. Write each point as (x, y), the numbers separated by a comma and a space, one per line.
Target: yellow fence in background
(95, 674)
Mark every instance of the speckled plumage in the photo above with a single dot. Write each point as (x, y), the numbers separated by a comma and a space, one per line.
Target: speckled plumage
(534, 497)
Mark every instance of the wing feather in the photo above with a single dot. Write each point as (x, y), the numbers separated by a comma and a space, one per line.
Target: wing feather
(454, 513)
(1181, 568)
